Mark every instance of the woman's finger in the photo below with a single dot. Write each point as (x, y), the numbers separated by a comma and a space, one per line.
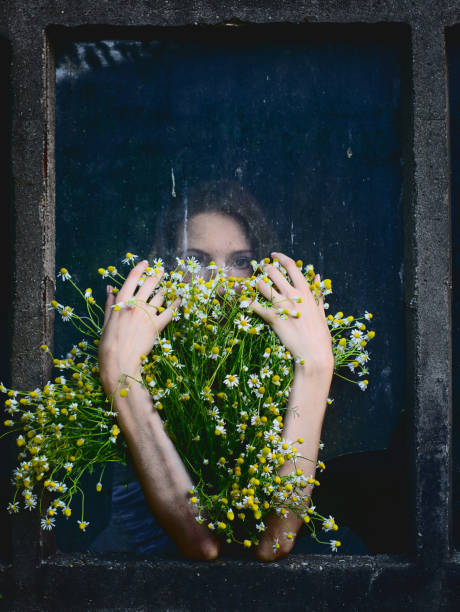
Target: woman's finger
(321, 296)
(158, 299)
(165, 317)
(110, 301)
(280, 281)
(132, 281)
(266, 314)
(295, 274)
(269, 291)
(146, 289)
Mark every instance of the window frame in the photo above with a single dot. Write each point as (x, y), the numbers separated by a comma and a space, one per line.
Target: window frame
(431, 572)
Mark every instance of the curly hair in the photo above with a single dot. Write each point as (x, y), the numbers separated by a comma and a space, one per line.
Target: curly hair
(225, 197)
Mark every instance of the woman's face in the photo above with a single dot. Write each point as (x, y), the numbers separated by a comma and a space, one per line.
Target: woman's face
(213, 236)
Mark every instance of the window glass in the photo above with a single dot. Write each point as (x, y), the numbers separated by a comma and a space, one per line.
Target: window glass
(310, 133)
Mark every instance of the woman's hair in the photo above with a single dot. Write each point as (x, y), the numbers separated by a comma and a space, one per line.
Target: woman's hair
(225, 197)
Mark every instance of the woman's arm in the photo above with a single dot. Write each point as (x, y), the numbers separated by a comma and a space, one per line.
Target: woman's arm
(129, 333)
(306, 337)
(304, 419)
(162, 475)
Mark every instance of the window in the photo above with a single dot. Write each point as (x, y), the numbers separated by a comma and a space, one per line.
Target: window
(428, 572)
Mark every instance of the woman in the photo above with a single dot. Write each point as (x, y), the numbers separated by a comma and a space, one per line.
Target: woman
(217, 223)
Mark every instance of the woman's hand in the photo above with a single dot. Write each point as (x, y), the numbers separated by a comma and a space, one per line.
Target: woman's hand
(131, 331)
(306, 336)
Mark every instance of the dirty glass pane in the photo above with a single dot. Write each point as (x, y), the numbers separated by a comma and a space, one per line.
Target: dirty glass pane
(454, 80)
(309, 130)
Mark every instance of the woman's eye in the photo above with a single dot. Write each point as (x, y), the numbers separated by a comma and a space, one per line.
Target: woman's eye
(241, 262)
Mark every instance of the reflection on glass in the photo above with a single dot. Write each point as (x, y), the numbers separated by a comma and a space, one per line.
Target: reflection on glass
(226, 152)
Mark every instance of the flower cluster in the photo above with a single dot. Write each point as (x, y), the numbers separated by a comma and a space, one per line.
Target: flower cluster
(220, 379)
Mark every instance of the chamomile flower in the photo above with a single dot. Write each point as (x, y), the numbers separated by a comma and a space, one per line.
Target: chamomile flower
(54, 305)
(265, 372)
(13, 507)
(335, 544)
(83, 525)
(48, 523)
(193, 265)
(158, 263)
(253, 381)
(129, 258)
(231, 380)
(64, 274)
(67, 313)
(328, 524)
(103, 272)
(242, 322)
(30, 502)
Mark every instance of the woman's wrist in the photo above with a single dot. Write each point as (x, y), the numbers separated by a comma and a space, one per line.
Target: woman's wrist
(319, 373)
(113, 380)
(135, 409)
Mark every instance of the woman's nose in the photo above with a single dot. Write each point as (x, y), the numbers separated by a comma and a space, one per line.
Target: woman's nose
(220, 262)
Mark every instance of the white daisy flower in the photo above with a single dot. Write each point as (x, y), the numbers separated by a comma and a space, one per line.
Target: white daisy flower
(231, 380)
(242, 322)
(329, 523)
(193, 265)
(129, 259)
(158, 263)
(265, 372)
(47, 523)
(13, 507)
(67, 313)
(253, 381)
(83, 525)
(335, 544)
(53, 305)
(30, 503)
(64, 274)
(220, 430)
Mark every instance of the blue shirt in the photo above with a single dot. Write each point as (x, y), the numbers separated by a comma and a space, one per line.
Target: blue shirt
(133, 528)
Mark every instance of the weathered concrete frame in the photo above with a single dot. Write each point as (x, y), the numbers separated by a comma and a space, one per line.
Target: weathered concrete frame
(429, 577)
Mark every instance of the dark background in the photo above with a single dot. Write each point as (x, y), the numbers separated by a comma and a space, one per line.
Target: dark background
(313, 129)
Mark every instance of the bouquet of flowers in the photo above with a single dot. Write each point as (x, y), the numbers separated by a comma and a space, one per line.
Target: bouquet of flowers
(219, 377)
